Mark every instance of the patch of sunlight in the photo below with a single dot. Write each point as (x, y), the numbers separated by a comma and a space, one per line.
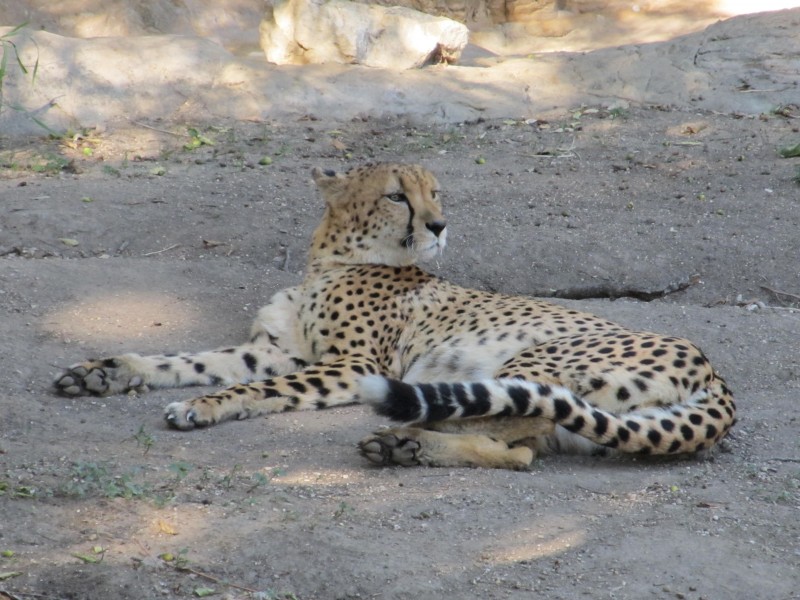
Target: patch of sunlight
(120, 531)
(120, 316)
(746, 7)
(531, 545)
(319, 478)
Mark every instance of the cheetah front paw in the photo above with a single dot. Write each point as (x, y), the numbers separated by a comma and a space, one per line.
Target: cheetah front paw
(186, 415)
(204, 411)
(103, 377)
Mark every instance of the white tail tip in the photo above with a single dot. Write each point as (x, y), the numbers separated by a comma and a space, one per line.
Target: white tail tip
(373, 389)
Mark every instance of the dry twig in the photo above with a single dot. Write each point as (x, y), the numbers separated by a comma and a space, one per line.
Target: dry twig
(160, 251)
(217, 580)
(780, 293)
(156, 128)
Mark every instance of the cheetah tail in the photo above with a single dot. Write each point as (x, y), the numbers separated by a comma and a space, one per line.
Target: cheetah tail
(680, 428)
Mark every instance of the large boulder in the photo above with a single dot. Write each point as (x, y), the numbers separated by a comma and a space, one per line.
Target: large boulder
(302, 32)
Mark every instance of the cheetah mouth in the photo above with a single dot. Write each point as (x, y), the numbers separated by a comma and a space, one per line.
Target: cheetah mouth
(425, 248)
(432, 249)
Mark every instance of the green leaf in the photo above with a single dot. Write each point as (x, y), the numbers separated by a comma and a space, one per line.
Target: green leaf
(35, 66)
(90, 560)
(790, 151)
(202, 592)
(14, 31)
(3, 65)
(9, 575)
(23, 491)
(19, 60)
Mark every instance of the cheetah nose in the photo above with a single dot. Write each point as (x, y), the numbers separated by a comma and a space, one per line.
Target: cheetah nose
(436, 227)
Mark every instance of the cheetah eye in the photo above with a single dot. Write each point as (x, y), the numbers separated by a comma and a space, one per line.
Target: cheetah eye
(398, 198)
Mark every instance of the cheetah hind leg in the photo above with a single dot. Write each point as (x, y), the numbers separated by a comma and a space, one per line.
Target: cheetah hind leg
(488, 443)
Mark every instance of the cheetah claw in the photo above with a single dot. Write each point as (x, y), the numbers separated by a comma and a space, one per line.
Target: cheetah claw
(181, 415)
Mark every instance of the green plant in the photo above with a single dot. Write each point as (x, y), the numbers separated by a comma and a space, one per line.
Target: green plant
(144, 439)
(52, 164)
(89, 478)
(182, 559)
(227, 480)
(196, 139)
(9, 48)
(618, 113)
(259, 479)
(344, 509)
(181, 470)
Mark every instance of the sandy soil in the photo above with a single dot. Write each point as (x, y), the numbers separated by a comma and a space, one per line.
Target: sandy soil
(123, 240)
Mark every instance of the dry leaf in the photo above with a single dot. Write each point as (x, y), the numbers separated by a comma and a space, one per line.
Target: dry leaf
(165, 527)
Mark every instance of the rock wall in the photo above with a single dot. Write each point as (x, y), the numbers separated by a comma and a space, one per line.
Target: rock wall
(470, 12)
(231, 21)
(93, 82)
(234, 23)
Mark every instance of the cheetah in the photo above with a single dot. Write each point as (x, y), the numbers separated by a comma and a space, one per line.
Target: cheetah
(477, 379)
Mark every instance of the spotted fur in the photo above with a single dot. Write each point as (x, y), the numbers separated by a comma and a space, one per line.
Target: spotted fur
(482, 378)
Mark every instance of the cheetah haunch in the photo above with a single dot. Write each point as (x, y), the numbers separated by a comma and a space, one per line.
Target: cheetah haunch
(482, 379)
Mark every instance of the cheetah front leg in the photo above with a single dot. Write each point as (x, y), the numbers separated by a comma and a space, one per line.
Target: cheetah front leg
(226, 366)
(324, 384)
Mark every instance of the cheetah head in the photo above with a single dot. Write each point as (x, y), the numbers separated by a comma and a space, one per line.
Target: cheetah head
(379, 214)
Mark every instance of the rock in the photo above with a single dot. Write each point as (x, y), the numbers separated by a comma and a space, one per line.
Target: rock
(302, 32)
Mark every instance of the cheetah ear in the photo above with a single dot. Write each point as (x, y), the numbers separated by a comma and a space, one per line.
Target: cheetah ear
(326, 178)
(329, 182)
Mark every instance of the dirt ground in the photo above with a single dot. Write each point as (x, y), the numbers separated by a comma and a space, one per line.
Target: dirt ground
(135, 239)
